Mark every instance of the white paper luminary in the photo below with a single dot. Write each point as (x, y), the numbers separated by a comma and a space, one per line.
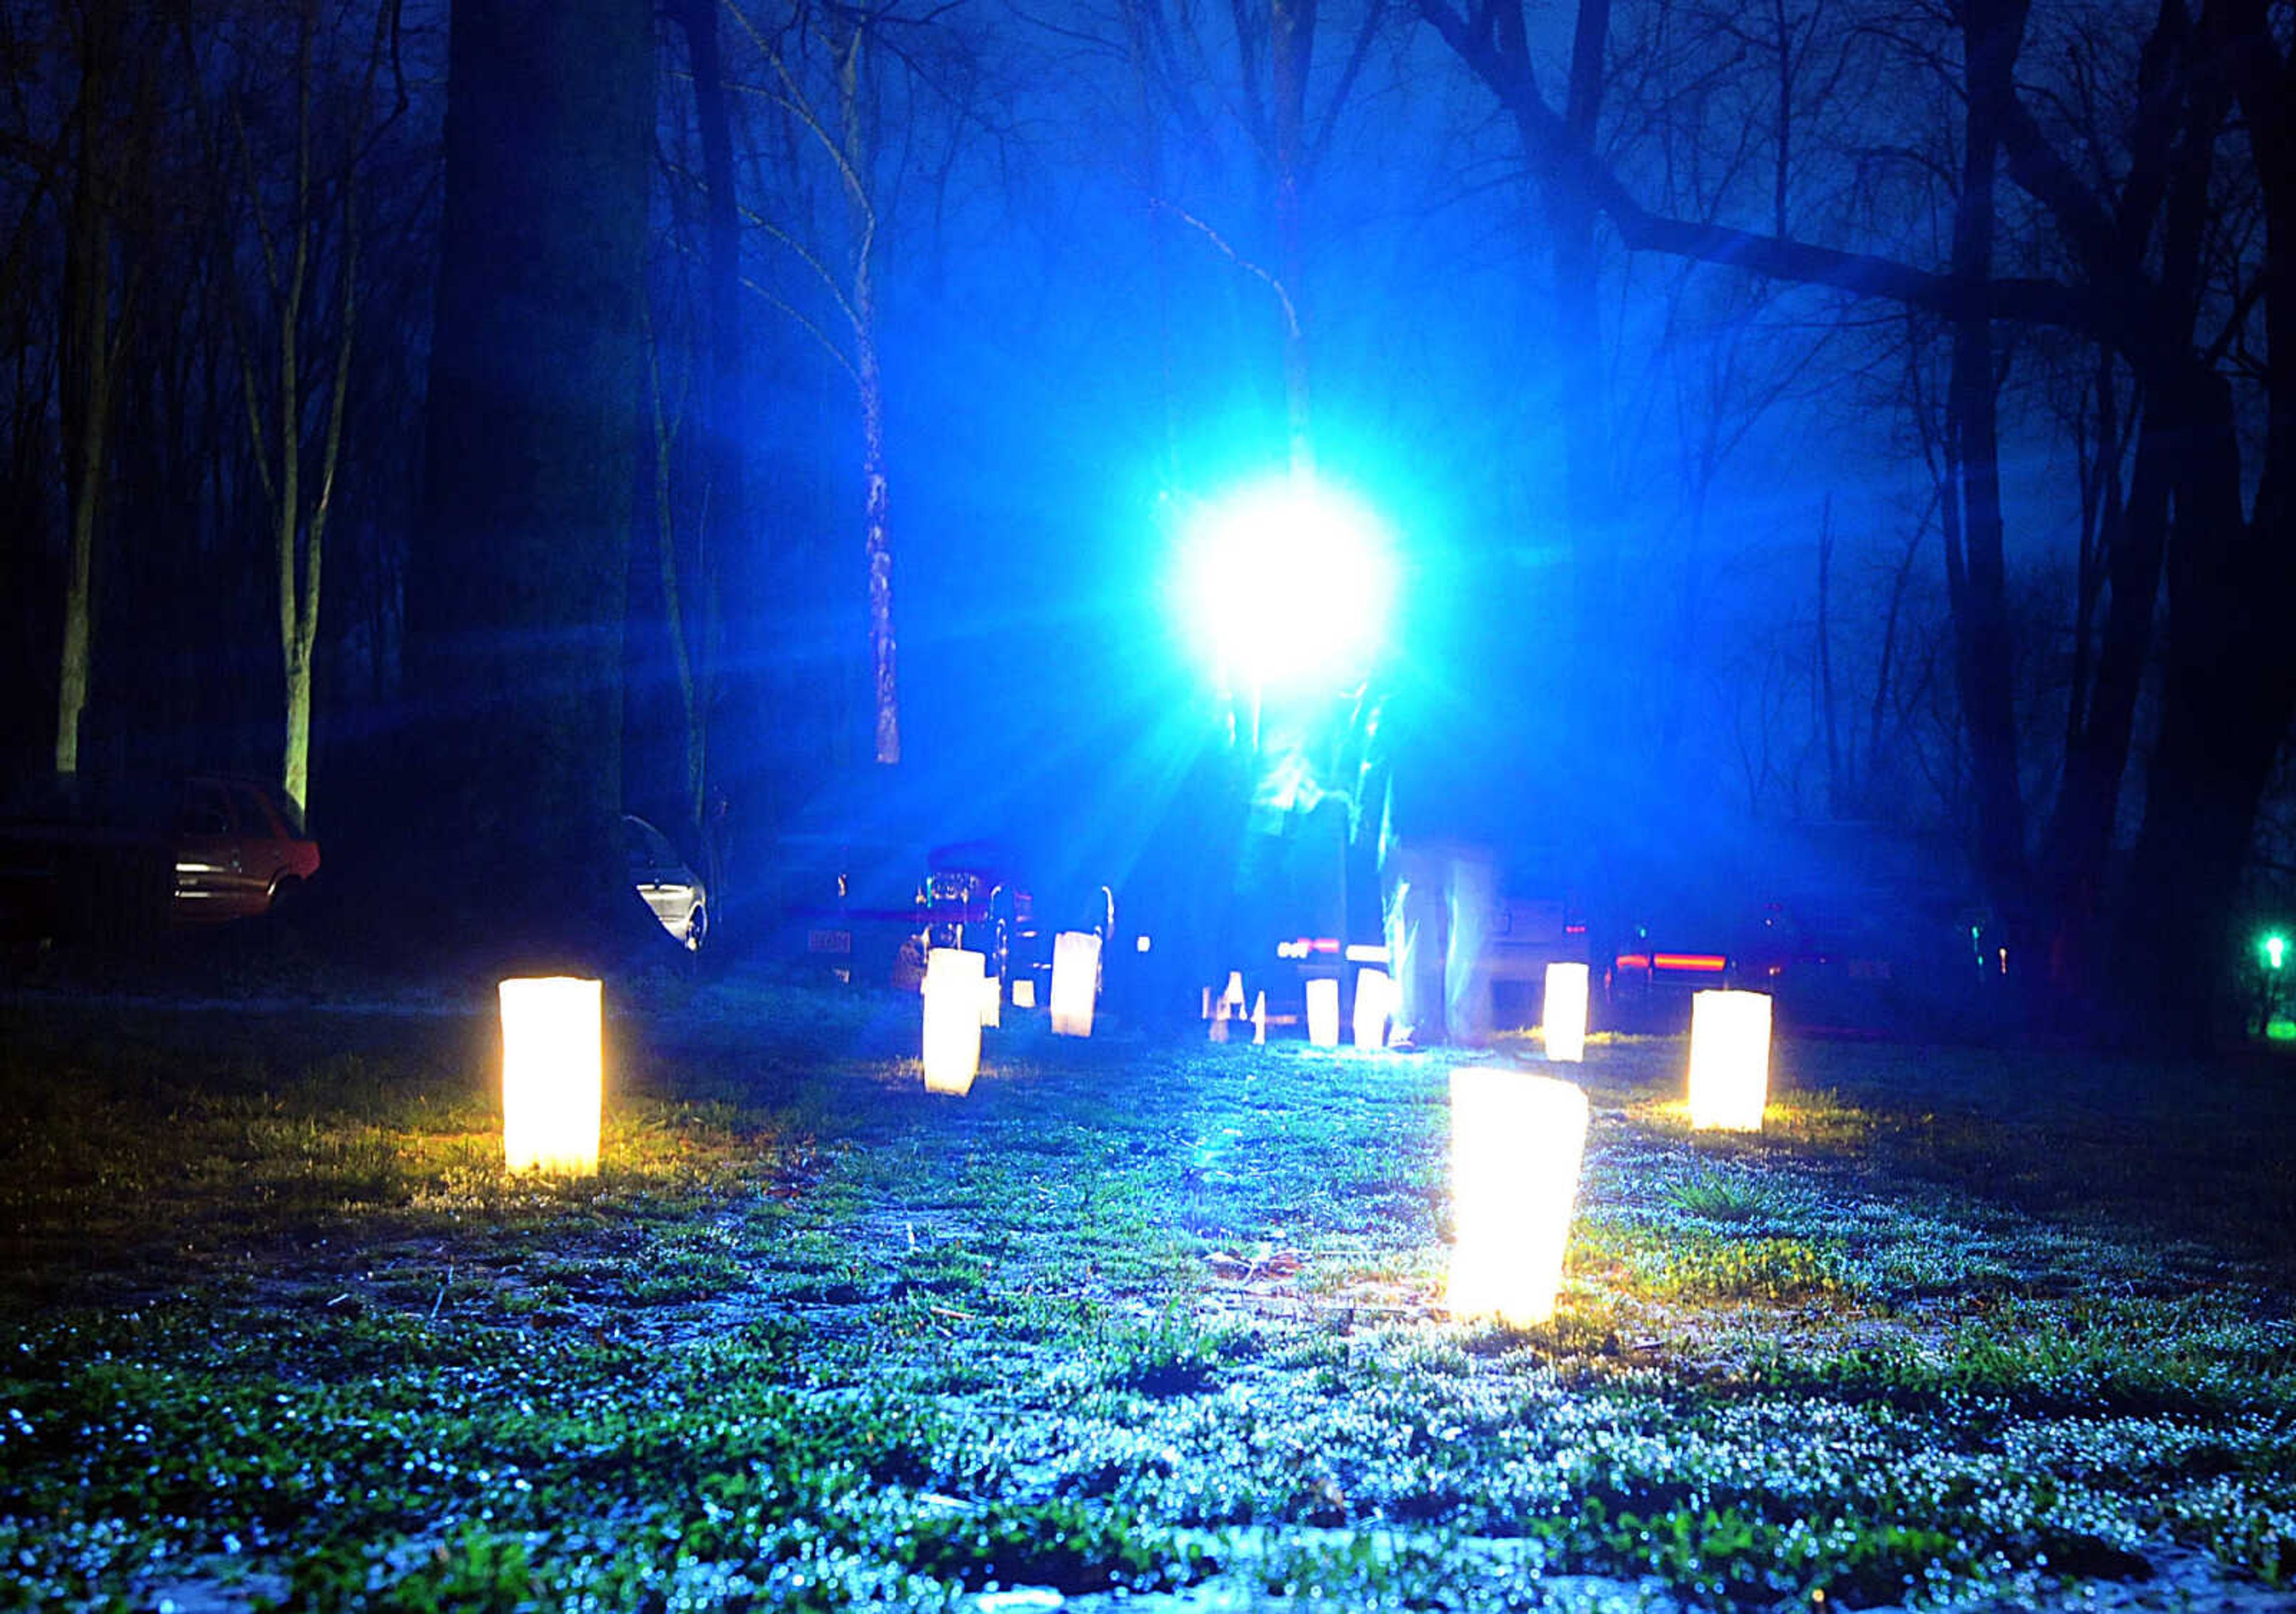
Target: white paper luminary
(1076, 981)
(953, 993)
(1374, 1005)
(554, 1074)
(1024, 992)
(1729, 1059)
(1517, 1141)
(1323, 1012)
(1564, 1020)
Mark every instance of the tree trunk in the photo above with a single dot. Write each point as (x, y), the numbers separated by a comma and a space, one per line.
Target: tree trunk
(299, 536)
(1977, 575)
(2172, 394)
(692, 722)
(84, 448)
(1837, 771)
(90, 341)
(2228, 697)
(884, 687)
(2229, 687)
(1571, 217)
(2079, 840)
(723, 505)
(1870, 781)
(1596, 574)
(517, 580)
(1290, 41)
(300, 564)
(877, 526)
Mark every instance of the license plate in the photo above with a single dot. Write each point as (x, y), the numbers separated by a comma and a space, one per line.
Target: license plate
(829, 941)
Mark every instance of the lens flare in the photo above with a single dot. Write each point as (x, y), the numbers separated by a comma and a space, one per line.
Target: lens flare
(1286, 581)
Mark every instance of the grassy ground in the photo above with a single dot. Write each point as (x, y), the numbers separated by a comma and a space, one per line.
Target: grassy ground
(1133, 1324)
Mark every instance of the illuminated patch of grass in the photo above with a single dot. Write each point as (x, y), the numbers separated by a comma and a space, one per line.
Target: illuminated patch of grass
(676, 1269)
(2187, 1358)
(1717, 1194)
(1820, 1118)
(1170, 1355)
(1129, 1317)
(1730, 1269)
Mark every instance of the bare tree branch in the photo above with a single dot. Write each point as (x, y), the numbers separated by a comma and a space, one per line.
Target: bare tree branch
(1291, 314)
(2028, 299)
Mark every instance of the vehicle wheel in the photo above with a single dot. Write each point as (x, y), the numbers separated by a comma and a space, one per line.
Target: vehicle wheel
(697, 926)
(282, 914)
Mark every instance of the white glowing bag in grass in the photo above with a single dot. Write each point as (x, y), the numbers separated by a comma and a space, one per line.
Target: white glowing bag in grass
(1323, 1012)
(1517, 1141)
(952, 1029)
(1564, 1020)
(1729, 1059)
(1374, 1005)
(554, 1074)
(1076, 981)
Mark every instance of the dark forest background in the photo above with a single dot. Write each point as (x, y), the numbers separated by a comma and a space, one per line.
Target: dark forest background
(1856, 412)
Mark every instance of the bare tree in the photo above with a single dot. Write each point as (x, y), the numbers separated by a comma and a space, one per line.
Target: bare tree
(2229, 690)
(722, 504)
(827, 75)
(294, 418)
(517, 582)
(33, 159)
(1251, 76)
(832, 112)
(107, 154)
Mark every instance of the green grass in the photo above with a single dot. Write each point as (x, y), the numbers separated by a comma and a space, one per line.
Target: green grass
(277, 1331)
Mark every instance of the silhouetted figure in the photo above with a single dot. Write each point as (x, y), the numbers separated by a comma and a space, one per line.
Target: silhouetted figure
(1289, 878)
(1431, 794)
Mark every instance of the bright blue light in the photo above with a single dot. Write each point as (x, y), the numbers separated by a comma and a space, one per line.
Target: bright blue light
(1286, 582)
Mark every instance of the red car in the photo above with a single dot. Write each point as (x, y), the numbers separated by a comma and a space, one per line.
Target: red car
(240, 851)
(115, 863)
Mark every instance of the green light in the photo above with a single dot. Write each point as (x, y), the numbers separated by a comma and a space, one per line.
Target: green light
(2275, 951)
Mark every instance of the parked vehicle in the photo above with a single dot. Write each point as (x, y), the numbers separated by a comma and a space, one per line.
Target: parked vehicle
(673, 890)
(116, 861)
(240, 851)
(1527, 935)
(1653, 972)
(844, 909)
